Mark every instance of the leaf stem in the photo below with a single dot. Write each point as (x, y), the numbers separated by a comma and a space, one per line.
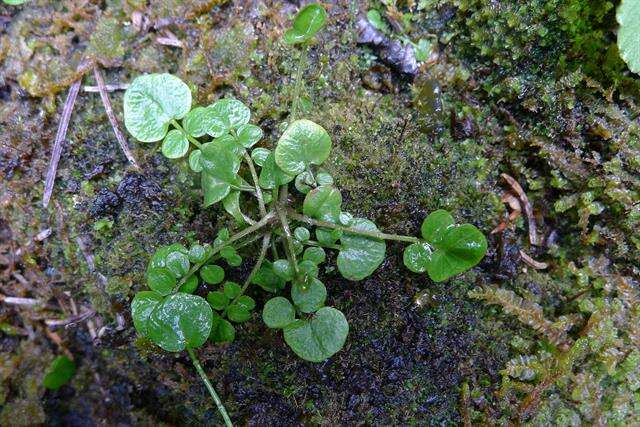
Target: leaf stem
(268, 218)
(254, 176)
(320, 245)
(350, 230)
(209, 386)
(289, 248)
(191, 139)
(302, 61)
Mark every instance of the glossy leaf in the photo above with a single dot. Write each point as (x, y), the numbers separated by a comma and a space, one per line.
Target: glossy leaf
(59, 373)
(197, 254)
(214, 189)
(222, 330)
(323, 203)
(249, 135)
(461, 247)
(278, 313)
(320, 337)
(303, 143)
(181, 320)
(159, 258)
(435, 224)
(198, 121)
(141, 307)
(327, 236)
(271, 175)
(306, 24)
(416, 256)
(310, 298)
(267, 279)
(628, 16)
(359, 256)
(151, 101)
(259, 156)
(231, 204)
(315, 255)
(161, 280)
(178, 264)
(190, 285)
(304, 182)
(227, 114)
(220, 161)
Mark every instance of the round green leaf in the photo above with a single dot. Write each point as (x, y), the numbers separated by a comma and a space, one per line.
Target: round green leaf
(461, 247)
(246, 302)
(178, 264)
(319, 338)
(435, 225)
(141, 307)
(222, 330)
(227, 114)
(345, 218)
(282, 268)
(323, 203)
(267, 279)
(220, 161)
(59, 373)
(302, 183)
(359, 256)
(212, 274)
(151, 101)
(416, 256)
(159, 258)
(302, 234)
(181, 320)
(310, 298)
(308, 268)
(197, 254)
(303, 143)
(232, 290)
(628, 16)
(198, 121)
(324, 178)
(249, 135)
(161, 280)
(175, 145)
(238, 313)
(190, 285)
(314, 254)
(194, 161)
(217, 300)
(306, 24)
(213, 188)
(259, 156)
(327, 236)
(278, 313)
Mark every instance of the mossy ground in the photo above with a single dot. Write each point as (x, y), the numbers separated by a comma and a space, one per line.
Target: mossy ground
(519, 94)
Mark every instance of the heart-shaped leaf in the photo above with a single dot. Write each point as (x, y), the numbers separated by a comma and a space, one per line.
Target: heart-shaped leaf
(461, 247)
(309, 298)
(303, 143)
(306, 24)
(628, 16)
(359, 256)
(180, 321)
(227, 114)
(278, 313)
(151, 101)
(249, 135)
(142, 306)
(320, 337)
(435, 225)
(323, 203)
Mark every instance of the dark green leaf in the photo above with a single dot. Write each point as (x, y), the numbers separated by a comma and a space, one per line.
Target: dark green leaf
(246, 302)
(232, 290)
(197, 254)
(231, 204)
(271, 175)
(315, 255)
(359, 256)
(214, 189)
(218, 300)
(461, 247)
(59, 373)
(267, 279)
(309, 298)
(222, 330)
(323, 203)
(141, 307)
(220, 160)
(178, 263)
(435, 225)
(326, 236)
(283, 269)
(259, 156)
(302, 234)
(306, 24)
(190, 285)
(237, 313)
(212, 274)
(416, 256)
(161, 280)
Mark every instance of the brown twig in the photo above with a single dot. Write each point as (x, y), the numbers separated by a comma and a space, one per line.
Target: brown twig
(532, 262)
(70, 320)
(112, 117)
(533, 234)
(60, 135)
(109, 88)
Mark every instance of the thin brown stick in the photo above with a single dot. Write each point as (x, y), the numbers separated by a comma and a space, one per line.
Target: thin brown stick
(70, 320)
(532, 262)
(60, 135)
(533, 234)
(112, 118)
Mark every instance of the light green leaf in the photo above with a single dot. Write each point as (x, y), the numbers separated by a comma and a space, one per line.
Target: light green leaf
(323, 203)
(306, 24)
(375, 18)
(59, 373)
(197, 253)
(435, 225)
(628, 16)
(359, 256)
(219, 160)
(212, 274)
(303, 143)
(302, 234)
(181, 320)
(327, 236)
(198, 121)
(259, 155)
(175, 144)
(151, 102)
(416, 256)
(324, 178)
(213, 188)
(278, 313)
(320, 337)
(159, 258)
(249, 135)
(178, 264)
(142, 306)
(309, 298)
(231, 204)
(271, 175)
(282, 268)
(227, 114)
(194, 161)
(315, 255)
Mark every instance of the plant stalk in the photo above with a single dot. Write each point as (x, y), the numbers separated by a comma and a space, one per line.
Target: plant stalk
(212, 391)
(298, 81)
(254, 176)
(191, 139)
(289, 248)
(350, 230)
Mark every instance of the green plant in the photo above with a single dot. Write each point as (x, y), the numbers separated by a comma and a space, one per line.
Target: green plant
(628, 16)
(59, 373)
(252, 184)
(14, 2)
